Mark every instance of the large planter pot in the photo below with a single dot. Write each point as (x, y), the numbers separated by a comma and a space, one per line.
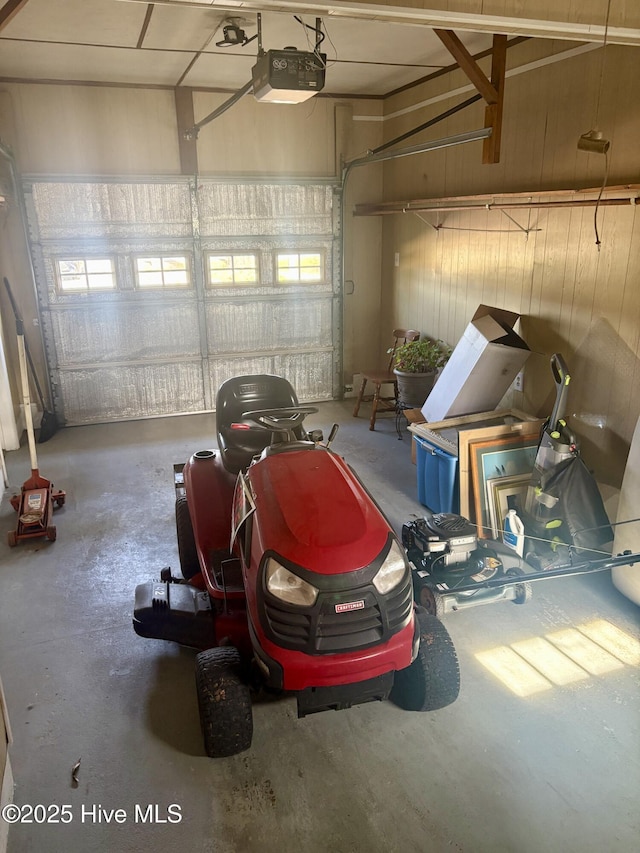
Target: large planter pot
(414, 388)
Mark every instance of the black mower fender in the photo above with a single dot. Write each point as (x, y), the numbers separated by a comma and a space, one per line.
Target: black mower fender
(176, 612)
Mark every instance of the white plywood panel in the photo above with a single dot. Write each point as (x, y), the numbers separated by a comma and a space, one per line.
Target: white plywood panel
(76, 130)
(266, 139)
(214, 71)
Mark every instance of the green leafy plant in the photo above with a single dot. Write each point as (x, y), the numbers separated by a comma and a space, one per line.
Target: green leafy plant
(422, 356)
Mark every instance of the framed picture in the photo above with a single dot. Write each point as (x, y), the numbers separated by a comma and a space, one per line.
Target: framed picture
(529, 429)
(503, 494)
(508, 456)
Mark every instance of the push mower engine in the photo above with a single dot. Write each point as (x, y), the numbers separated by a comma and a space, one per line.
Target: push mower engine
(450, 564)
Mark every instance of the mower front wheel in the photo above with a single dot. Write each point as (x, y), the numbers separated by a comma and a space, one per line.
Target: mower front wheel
(524, 590)
(432, 681)
(189, 563)
(432, 601)
(224, 700)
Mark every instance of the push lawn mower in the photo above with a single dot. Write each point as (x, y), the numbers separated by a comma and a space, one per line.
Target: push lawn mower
(453, 569)
(293, 579)
(451, 565)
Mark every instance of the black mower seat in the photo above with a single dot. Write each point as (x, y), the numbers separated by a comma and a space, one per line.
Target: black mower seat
(245, 394)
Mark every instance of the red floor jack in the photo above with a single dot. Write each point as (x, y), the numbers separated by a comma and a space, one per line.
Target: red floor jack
(35, 503)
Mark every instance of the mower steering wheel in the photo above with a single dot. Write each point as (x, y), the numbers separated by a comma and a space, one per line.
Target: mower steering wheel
(279, 420)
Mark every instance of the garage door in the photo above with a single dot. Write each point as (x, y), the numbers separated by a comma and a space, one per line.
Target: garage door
(152, 293)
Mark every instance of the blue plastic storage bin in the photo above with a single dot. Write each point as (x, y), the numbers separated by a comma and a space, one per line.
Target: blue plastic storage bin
(438, 487)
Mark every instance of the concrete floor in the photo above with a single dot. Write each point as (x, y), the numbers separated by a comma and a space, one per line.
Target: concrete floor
(557, 770)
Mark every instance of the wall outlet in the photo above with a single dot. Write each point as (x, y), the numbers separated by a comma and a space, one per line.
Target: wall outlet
(396, 259)
(518, 382)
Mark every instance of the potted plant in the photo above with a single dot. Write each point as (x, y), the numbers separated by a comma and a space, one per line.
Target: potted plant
(416, 365)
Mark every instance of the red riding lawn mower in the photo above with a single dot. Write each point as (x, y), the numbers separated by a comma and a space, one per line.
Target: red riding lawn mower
(293, 580)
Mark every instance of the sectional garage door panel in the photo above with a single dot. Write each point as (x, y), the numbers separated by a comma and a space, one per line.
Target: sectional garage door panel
(112, 210)
(256, 209)
(135, 322)
(247, 326)
(310, 373)
(92, 334)
(131, 391)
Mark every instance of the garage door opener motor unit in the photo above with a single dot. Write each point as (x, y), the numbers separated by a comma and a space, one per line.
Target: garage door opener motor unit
(288, 76)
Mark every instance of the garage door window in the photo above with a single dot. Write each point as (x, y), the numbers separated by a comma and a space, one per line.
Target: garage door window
(226, 270)
(162, 272)
(80, 275)
(299, 267)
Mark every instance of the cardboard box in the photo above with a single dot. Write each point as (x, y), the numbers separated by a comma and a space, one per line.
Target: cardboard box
(483, 365)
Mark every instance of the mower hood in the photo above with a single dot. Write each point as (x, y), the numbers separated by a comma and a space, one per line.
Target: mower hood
(315, 512)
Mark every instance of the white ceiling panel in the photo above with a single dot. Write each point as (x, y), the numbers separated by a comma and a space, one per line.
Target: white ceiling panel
(78, 21)
(183, 29)
(85, 40)
(95, 64)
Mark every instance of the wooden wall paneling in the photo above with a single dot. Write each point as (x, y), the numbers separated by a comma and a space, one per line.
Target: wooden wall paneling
(476, 243)
(426, 273)
(460, 314)
(629, 322)
(558, 226)
(448, 267)
(523, 128)
(448, 255)
(492, 294)
(435, 288)
(575, 220)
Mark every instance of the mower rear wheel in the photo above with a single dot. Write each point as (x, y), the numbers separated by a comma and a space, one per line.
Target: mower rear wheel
(432, 601)
(524, 591)
(433, 679)
(224, 700)
(189, 563)
(12, 538)
(52, 533)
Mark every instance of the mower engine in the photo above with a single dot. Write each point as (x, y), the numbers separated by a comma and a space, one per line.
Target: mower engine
(450, 565)
(449, 539)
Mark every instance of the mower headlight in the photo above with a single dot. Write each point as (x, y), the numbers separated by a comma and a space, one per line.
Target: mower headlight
(289, 587)
(392, 571)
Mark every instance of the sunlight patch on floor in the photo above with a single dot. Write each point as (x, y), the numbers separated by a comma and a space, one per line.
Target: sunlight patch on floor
(550, 662)
(615, 641)
(513, 671)
(562, 657)
(584, 651)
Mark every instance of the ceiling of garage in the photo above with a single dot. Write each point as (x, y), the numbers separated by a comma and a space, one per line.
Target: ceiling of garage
(371, 50)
